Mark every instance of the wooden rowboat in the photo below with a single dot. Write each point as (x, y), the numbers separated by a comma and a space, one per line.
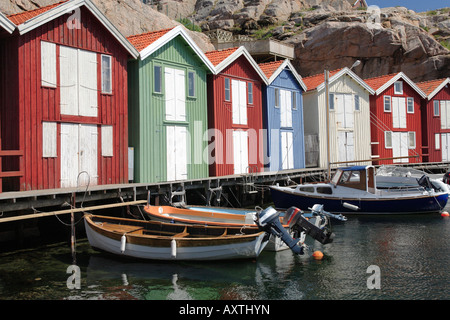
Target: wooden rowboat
(166, 241)
(211, 217)
(196, 216)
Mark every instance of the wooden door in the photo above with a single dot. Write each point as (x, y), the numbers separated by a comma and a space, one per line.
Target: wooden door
(79, 155)
(287, 150)
(240, 151)
(176, 153)
(400, 146)
(175, 94)
(239, 101)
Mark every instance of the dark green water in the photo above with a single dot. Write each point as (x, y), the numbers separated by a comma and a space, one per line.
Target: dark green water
(412, 253)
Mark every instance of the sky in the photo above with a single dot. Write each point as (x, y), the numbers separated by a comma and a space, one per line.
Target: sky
(416, 5)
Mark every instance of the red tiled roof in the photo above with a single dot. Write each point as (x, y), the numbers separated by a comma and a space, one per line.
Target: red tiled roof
(429, 86)
(377, 82)
(270, 67)
(217, 56)
(312, 82)
(143, 40)
(22, 17)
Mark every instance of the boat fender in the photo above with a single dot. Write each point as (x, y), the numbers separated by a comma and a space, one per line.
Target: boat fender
(173, 247)
(350, 206)
(123, 242)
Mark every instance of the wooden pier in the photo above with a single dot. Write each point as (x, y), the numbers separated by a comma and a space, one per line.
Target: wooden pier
(225, 191)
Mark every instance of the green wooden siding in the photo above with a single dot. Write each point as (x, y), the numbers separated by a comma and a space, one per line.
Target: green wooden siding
(147, 122)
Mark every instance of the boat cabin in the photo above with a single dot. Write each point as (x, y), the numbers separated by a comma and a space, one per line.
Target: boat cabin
(356, 177)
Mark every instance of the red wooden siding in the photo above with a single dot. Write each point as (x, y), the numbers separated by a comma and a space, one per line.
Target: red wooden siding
(431, 125)
(36, 104)
(382, 121)
(220, 115)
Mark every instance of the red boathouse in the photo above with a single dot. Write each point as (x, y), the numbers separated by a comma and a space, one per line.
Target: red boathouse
(235, 113)
(395, 117)
(436, 120)
(64, 99)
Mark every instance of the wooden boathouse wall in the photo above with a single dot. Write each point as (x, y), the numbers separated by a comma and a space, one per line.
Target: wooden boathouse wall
(27, 104)
(343, 83)
(278, 152)
(382, 121)
(147, 112)
(220, 117)
(436, 120)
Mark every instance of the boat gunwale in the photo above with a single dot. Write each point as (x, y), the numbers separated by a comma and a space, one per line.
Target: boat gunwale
(165, 240)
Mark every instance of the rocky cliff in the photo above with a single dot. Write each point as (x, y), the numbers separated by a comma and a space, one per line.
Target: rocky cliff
(325, 33)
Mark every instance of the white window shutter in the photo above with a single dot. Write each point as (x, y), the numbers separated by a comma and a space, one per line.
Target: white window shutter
(88, 83)
(49, 140)
(107, 141)
(48, 64)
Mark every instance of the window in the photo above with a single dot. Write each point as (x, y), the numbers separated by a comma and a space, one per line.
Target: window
(277, 98)
(48, 64)
(398, 87)
(324, 190)
(388, 139)
(250, 92)
(357, 108)
(387, 103)
(157, 86)
(227, 89)
(191, 83)
(107, 141)
(307, 189)
(331, 101)
(411, 140)
(410, 105)
(436, 108)
(437, 141)
(106, 74)
(294, 100)
(49, 136)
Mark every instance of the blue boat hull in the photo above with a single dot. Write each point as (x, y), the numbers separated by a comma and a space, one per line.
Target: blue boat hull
(407, 205)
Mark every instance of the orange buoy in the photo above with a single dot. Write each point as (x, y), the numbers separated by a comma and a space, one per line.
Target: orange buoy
(317, 255)
(445, 214)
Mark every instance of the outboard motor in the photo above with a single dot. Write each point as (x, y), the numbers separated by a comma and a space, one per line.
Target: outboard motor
(269, 221)
(298, 223)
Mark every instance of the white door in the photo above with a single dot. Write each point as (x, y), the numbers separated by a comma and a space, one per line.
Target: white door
(79, 154)
(400, 146)
(78, 82)
(68, 70)
(176, 153)
(445, 146)
(239, 101)
(287, 150)
(285, 109)
(175, 94)
(344, 106)
(240, 151)
(398, 112)
(346, 146)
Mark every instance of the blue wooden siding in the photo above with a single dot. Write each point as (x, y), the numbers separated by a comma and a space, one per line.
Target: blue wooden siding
(272, 120)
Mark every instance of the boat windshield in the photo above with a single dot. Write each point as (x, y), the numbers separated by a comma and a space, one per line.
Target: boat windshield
(355, 179)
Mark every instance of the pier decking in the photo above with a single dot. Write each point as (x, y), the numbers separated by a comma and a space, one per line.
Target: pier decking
(38, 203)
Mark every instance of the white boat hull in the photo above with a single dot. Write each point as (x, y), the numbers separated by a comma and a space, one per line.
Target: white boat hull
(249, 249)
